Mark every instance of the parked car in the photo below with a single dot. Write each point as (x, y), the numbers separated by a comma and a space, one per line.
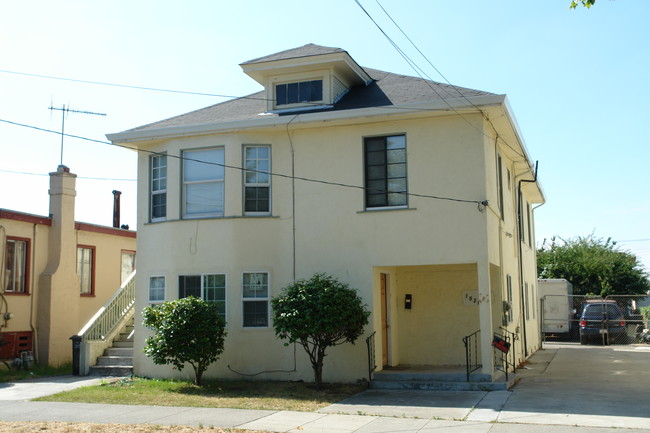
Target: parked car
(602, 320)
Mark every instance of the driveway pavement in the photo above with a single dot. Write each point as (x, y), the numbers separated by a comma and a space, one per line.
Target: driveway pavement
(586, 389)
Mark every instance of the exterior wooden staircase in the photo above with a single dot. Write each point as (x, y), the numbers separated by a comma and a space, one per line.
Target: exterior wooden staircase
(107, 338)
(117, 360)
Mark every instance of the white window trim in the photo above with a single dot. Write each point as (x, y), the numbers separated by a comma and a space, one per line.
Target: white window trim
(267, 299)
(164, 277)
(157, 192)
(225, 292)
(184, 183)
(256, 185)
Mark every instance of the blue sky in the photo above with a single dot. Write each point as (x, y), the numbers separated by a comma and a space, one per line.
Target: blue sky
(577, 81)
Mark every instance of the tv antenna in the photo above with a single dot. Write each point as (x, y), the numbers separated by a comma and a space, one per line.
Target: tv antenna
(64, 112)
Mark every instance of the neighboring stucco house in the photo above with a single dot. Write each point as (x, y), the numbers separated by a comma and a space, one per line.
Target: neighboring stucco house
(418, 194)
(56, 273)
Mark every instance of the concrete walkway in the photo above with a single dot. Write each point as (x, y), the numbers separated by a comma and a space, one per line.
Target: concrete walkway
(563, 387)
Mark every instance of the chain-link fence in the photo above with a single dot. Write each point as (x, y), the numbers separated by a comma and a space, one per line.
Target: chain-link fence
(594, 320)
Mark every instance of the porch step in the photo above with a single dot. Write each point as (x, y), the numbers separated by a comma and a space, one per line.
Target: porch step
(118, 359)
(441, 381)
(111, 370)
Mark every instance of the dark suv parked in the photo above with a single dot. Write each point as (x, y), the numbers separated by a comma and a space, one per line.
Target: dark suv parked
(603, 321)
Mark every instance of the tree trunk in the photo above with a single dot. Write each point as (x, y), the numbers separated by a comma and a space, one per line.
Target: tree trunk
(318, 373)
(198, 374)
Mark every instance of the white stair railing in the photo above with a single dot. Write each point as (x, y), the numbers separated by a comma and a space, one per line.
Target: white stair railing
(103, 325)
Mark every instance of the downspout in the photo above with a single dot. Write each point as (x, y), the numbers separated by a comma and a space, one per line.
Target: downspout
(519, 258)
(33, 296)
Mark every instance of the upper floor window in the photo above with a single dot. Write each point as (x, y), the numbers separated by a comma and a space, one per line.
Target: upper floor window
(209, 287)
(257, 180)
(16, 265)
(158, 187)
(86, 269)
(301, 92)
(385, 165)
(500, 185)
(203, 179)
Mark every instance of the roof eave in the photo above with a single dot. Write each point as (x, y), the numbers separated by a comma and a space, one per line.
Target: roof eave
(419, 109)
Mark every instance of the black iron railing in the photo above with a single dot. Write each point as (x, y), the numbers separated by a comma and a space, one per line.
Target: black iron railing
(472, 352)
(506, 360)
(370, 342)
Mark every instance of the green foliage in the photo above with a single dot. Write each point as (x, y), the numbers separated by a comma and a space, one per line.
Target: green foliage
(593, 265)
(187, 330)
(319, 313)
(585, 3)
(645, 312)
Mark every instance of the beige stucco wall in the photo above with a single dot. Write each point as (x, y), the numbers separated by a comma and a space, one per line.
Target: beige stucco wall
(437, 248)
(431, 332)
(54, 310)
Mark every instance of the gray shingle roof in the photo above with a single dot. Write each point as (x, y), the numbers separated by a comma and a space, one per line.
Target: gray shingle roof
(304, 51)
(386, 89)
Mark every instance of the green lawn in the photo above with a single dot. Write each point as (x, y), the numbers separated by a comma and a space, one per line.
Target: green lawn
(11, 374)
(266, 395)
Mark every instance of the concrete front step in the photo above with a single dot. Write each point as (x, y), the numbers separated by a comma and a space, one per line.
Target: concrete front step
(119, 351)
(442, 385)
(123, 343)
(111, 370)
(115, 361)
(444, 378)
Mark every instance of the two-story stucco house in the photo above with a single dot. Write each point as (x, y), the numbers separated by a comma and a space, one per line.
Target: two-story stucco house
(418, 194)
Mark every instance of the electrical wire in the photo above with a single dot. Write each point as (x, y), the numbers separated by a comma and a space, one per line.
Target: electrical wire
(428, 81)
(78, 177)
(480, 203)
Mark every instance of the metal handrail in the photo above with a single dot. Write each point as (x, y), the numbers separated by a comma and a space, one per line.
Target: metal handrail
(471, 358)
(372, 365)
(107, 317)
(510, 338)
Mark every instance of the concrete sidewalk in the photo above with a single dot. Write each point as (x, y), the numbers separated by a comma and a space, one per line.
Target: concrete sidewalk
(557, 392)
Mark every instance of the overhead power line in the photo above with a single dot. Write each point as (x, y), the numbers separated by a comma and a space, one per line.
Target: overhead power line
(422, 74)
(480, 203)
(78, 177)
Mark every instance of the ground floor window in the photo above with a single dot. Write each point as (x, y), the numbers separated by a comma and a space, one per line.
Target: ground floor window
(255, 299)
(86, 269)
(156, 289)
(16, 265)
(209, 287)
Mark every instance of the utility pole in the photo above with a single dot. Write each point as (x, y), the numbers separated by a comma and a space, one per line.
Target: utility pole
(64, 111)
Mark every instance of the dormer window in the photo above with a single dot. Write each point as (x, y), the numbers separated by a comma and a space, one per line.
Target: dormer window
(299, 93)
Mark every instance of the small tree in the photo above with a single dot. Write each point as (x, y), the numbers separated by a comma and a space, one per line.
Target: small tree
(594, 266)
(187, 330)
(319, 313)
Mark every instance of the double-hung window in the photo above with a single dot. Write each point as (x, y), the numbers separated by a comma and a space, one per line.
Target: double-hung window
(156, 289)
(257, 180)
(158, 203)
(255, 299)
(209, 287)
(385, 171)
(203, 182)
(86, 269)
(16, 265)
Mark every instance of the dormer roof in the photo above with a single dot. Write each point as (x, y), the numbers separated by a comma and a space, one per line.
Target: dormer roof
(304, 59)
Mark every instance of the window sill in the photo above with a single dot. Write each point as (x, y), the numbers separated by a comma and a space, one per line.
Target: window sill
(386, 208)
(229, 217)
(16, 293)
(87, 295)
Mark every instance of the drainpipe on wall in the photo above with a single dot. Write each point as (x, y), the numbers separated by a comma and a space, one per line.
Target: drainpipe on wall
(520, 259)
